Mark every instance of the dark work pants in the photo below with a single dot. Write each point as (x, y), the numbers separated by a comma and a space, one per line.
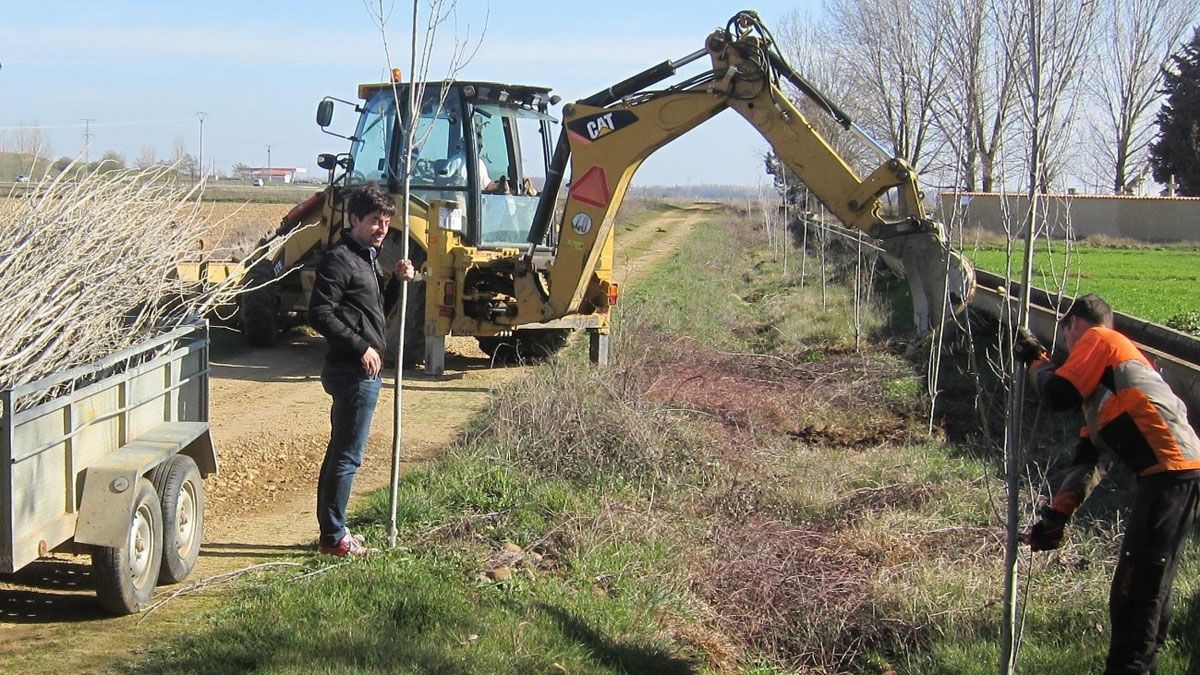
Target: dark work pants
(1139, 604)
(354, 398)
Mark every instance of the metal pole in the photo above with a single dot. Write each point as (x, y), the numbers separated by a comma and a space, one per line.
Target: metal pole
(200, 160)
(268, 162)
(87, 140)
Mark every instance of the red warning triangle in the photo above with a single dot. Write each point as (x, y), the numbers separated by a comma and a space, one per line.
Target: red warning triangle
(591, 188)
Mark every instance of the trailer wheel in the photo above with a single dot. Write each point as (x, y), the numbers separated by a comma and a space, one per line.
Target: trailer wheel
(181, 491)
(126, 576)
(258, 307)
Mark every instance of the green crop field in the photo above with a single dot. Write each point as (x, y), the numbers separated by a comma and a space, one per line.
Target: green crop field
(1153, 283)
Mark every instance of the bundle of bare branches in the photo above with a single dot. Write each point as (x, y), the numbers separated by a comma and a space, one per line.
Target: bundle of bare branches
(88, 267)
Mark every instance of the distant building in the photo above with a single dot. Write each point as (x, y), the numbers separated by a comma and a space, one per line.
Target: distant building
(274, 174)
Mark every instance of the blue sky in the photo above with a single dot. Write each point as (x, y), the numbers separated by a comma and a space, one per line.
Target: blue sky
(142, 70)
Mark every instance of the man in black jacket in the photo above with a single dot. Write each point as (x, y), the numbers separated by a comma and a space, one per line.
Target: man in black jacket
(348, 305)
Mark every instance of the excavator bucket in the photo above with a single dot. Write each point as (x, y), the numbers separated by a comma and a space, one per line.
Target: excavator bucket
(941, 280)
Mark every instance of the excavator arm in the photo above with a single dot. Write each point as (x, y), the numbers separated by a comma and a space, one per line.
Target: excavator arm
(607, 136)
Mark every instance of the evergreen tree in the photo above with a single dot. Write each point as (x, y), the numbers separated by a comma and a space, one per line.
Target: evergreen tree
(1177, 150)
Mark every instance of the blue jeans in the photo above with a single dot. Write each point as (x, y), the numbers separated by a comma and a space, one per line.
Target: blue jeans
(354, 398)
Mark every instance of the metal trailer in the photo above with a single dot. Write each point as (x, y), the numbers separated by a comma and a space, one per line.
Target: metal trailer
(108, 459)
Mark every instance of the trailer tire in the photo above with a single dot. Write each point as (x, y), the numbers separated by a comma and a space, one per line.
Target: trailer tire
(258, 308)
(181, 491)
(126, 576)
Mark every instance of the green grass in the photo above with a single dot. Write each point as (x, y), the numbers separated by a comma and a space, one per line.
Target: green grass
(1152, 283)
(741, 491)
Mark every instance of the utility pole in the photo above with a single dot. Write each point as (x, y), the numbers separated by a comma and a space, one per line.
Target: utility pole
(200, 161)
(268, 162)
(87, 140)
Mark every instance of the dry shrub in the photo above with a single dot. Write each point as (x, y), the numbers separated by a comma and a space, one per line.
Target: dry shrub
(791, 593)
(89, 267)
(574, 423)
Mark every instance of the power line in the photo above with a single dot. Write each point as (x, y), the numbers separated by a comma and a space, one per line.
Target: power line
(93, 123)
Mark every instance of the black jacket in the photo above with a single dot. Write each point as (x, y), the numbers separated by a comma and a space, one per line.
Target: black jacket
(349, 303)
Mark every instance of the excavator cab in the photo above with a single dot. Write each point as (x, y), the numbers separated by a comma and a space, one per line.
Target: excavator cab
(483, 145)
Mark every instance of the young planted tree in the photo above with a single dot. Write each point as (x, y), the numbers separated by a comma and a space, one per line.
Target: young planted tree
(1175, 156)
(422, 46)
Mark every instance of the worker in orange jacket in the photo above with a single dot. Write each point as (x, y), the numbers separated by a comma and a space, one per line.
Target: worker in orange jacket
(1130, 413)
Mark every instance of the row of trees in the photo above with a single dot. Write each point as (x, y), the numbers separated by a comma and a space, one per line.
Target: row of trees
(948, 84)
(31, 142)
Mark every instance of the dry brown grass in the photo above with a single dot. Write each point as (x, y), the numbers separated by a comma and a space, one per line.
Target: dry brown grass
(792, 593)
(812, 401)
(231, 225)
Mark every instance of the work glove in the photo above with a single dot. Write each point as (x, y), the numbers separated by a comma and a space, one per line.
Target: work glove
(1026, 347)
(1047, 533)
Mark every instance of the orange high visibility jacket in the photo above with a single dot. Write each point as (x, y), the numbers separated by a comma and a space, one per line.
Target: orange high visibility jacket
(1128, 409)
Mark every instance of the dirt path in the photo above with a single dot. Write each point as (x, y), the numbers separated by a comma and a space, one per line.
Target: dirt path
(270, 424)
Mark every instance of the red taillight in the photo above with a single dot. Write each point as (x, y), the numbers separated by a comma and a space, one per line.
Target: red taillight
(613, 291)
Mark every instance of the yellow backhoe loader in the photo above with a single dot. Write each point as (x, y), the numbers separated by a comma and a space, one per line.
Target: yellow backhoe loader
(510, 263)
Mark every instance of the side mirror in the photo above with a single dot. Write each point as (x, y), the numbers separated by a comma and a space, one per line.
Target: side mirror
(327, 161)
(324, 113)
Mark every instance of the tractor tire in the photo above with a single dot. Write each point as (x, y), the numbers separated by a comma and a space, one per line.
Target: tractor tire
(181, 491)
(125, 576)
(414, 330)
(524, 345)
(258, 306)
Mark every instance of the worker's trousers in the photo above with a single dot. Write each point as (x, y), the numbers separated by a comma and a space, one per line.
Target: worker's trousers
(1139, 604)
(354, 398)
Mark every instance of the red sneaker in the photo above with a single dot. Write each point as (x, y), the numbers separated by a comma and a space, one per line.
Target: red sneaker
(350, 545)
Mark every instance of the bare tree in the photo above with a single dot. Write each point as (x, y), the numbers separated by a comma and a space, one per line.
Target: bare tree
(31, 140)
(973, 115)
(1051, 42)
(147, 157)
(1137, 42)
(895, 46)
(810, 45)
(178, 149)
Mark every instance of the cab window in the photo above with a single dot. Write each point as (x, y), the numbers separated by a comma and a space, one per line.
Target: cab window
(374, 138)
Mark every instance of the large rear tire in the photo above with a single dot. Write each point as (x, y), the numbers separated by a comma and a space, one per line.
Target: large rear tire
(181, 491)
(414, 331)
(258, 305)
(125, 576)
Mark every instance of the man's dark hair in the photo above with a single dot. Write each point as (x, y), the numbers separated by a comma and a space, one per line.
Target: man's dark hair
(1092, 309)
(367, 199)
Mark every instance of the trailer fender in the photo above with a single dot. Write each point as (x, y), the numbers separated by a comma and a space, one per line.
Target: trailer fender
(110, 485)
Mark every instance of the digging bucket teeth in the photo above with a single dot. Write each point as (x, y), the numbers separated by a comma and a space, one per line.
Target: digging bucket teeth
(941, 280)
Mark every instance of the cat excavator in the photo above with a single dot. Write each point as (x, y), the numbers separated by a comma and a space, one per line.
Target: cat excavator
(509, 262)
